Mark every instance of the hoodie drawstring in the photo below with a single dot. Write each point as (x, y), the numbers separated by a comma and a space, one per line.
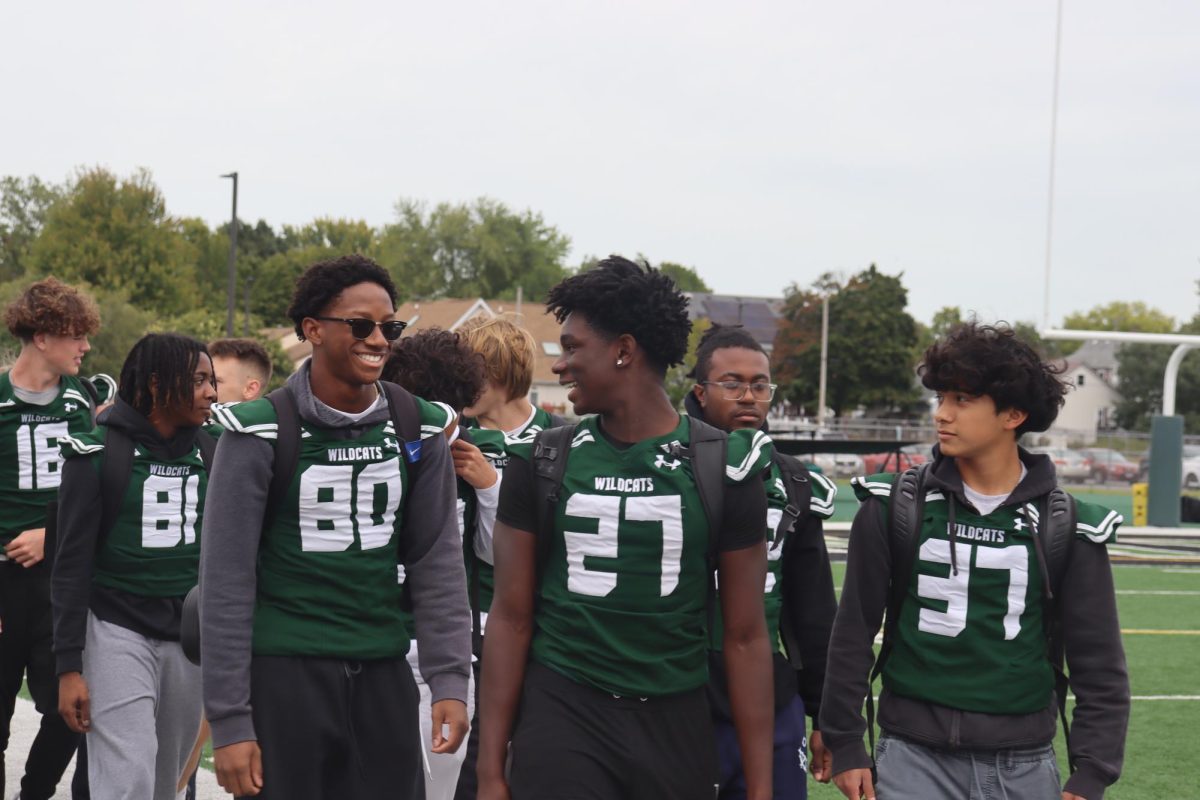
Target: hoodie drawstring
(953, 535)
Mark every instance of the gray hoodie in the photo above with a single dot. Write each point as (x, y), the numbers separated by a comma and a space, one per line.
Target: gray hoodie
(237, 492)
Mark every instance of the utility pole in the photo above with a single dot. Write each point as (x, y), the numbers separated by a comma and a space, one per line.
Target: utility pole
(231, 299)
(824, 361)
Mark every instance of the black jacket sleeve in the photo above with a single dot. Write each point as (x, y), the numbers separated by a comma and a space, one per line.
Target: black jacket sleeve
(859, 616)
(809, 606)
(79, 512)
(1097, 670)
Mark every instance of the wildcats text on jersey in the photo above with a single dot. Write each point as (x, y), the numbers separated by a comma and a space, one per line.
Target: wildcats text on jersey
(364, 453)
(624, 485)
(978, 534)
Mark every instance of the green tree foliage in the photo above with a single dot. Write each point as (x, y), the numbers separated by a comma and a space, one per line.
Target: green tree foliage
(481, 249)
(24, 205)
(1119, 315)
(871, 343)
(1141, 368)
(115, 234)
(686, 278)
(678, 381)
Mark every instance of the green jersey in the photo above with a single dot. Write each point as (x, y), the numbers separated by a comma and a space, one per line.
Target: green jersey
(624, 592)
(495, 447)
(327, 583)
(30, 436)
(824, 492)
(153, 549)
(974, 638)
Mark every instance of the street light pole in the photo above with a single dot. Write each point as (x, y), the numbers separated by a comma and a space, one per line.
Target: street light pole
(824, 361)
(231, 299)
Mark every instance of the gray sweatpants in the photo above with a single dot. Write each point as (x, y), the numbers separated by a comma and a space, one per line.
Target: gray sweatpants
(145, 704)
(910, 771)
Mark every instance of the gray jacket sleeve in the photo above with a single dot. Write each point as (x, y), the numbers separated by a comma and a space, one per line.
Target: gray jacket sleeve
(436, 577)
(240, 478)
(1096, 665)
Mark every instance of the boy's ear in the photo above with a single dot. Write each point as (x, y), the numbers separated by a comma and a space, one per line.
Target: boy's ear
(1013, 418)
(701, 396)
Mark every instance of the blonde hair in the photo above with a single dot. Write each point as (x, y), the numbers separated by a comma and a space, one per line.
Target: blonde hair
(508, 351)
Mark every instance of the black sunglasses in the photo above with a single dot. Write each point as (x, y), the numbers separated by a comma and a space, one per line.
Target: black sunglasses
(362, 328)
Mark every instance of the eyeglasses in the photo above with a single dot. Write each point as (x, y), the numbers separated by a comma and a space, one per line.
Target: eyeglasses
(362, 328)
(735, 390)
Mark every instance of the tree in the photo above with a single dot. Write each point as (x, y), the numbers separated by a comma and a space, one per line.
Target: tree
(23, 208)
(1141, 368)
(871, 343)
(686, 278)
(1119, 315)
(678, 382)
(115, 234)
(482, 249)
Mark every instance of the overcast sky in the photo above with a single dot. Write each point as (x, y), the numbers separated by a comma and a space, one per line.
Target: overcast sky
(761, 143)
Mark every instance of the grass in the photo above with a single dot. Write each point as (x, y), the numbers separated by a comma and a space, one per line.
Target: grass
(1159, 751)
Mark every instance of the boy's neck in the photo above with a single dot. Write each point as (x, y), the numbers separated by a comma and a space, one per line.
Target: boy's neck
(508, 416)
(349, 398)
(995, 471)
(33, 373)
(644, 414)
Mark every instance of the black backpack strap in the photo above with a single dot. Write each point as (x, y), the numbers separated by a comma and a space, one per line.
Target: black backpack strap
(189, 620)
(550, 450)
(799, 503)
(906, 511)
(799, 494)
(287, 448)
(707, 451)
(93, 395)
(1057, 521)
(406, 419)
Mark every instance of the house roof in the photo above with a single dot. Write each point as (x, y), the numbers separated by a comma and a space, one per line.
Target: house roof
(450, 314)
(758, 315)
(1096, 355)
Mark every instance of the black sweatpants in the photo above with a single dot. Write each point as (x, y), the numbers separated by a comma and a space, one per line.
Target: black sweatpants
(331, 729)
(573, 742)
(468, 782)
(26, 631)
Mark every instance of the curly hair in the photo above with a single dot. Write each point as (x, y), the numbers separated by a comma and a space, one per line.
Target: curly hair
(718, 337)
(322, 282)
(990, 360)
(619, 296)
(51, 306)
(159, 371)
(437, 365)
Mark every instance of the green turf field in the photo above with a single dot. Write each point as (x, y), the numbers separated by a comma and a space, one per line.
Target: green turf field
(1160, 753)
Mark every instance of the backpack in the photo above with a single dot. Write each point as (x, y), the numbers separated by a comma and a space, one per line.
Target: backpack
(707, 452)
(405, 419)
(1056, 528)
(795, 516)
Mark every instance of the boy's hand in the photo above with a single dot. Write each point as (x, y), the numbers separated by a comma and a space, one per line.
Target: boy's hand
(454, 714)
(239, 768)
(28, 547)
(74, 704)
(855, 784)
(471, 465)
(821, 763)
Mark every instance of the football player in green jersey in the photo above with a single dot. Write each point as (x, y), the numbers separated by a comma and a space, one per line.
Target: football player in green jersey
(968, 697)
(303, 639)
(501, 413)
(41, 402)
(608, 666)
(733, 391)
(438, 365)
(118, 593)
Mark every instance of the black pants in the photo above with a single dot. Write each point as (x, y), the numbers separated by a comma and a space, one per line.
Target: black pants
(25, 651)
(573, 742)
(332, 729)
(468, 783)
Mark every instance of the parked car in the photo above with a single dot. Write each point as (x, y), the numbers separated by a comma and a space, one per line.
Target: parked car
(1069, 464)
(1107, 464)
(1191, 452)
(886, 461)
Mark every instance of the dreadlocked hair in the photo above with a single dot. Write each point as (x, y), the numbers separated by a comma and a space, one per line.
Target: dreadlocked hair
(619, 296)
(718, 337)
(158, 372)
(322, 282)
(990, 360)
(436, 365)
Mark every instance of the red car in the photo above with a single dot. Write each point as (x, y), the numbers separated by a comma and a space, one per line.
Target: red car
(1109, 465)
(910, 456)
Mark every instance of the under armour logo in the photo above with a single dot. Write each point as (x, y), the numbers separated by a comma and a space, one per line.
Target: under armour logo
(662, 461)
(391, 444)
(70, 406)
(1019, 525)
